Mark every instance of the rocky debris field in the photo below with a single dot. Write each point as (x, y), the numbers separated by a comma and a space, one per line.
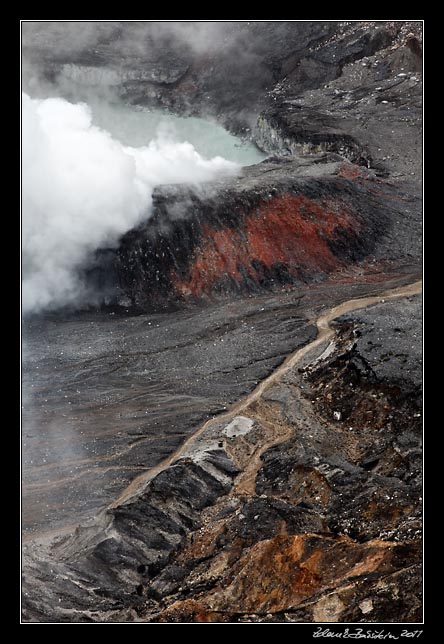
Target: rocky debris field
(210, 478)
(328, 527)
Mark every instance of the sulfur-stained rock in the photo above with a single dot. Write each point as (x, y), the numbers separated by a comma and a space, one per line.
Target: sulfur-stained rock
(278, 574)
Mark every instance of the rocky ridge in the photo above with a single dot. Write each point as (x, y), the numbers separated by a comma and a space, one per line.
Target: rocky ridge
(282, 222)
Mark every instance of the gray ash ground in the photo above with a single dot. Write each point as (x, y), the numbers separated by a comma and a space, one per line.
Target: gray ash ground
(109, 395)
(389, 341)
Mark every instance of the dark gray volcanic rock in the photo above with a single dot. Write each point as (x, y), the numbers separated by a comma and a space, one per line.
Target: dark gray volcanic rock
(371, 113)
(392, 345)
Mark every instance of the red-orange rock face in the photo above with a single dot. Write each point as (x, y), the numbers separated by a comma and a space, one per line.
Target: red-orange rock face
(270, 228)
(290, 231)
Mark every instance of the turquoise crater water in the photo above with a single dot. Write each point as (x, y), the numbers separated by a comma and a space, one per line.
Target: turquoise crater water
(137, 126)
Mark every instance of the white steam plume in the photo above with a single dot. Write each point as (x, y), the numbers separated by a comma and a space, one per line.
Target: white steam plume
(82, 190)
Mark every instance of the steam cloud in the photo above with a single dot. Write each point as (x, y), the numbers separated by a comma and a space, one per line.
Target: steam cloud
(82, 189)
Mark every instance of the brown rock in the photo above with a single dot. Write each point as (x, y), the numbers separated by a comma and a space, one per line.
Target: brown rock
(189, 611)
(280, 573)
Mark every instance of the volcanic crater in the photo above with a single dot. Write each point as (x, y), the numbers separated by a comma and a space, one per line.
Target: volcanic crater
(233, 434)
